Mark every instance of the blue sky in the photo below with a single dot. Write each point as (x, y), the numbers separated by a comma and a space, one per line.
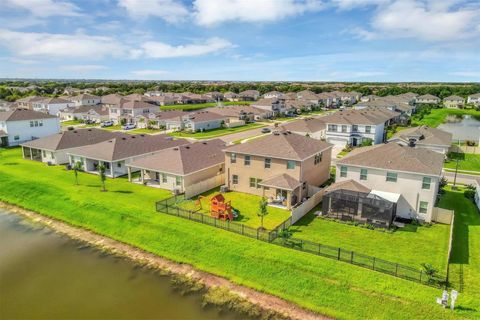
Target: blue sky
(278, 40)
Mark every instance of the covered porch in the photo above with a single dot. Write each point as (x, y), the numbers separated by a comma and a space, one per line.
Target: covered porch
(3, 139)
(282, 191)
(32, 153)
(112, 169)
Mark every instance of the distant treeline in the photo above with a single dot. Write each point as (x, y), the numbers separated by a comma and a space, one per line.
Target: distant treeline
(52, 88)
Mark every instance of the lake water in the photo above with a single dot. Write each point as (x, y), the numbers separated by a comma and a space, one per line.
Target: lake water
(44, 275)
(462, 128)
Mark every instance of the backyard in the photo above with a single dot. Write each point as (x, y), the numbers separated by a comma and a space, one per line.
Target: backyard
(216, 132)
(437, 116)
(196, 106)
(467, 161)
(126, 212)
(247, 204)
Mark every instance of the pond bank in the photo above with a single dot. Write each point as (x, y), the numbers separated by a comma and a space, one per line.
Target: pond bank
(219, 290)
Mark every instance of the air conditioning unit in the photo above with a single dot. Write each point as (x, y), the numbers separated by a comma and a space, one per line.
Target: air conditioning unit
(176, 191)
(224, 189)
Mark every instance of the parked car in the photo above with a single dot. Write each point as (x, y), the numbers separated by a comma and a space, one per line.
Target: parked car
(107, 123)
(89, 121)
(129, 126)
(266, 130)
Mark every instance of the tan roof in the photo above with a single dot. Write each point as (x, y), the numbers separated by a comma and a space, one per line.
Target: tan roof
(349, 185)
(84, 96)
(282, 145)
(134, 104)
(454, 98)
(428, 97)
(31, 99)
(23, 114)
(265, 102)
(281, 181)
(170, 114)
(425, 136)
(185, 159)
(127, 146)
(85, 109)
(55, 100)
(392, 156)
(72, 139)
(368, 116)
(235, 111)
(201, 116)
(249, 93)
(113, 98)
(310, 125)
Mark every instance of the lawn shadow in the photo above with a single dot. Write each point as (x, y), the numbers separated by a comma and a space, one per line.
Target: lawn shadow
(409, 227)
(306, 220)
(11, 164)
(123, 191)
(463, 220)
(93, 185)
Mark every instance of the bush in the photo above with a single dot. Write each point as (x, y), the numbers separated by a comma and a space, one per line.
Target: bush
(469, 194)
(470, 143)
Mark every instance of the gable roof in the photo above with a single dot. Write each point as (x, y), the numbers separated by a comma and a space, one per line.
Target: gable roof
(392, 156)
(428, 97)
(184, 159)
(282, 181)
(368, 116)
(134, 104)
(236, 110)
(54, 100)
(350, 185)
(201, 116)
(24, 114)
(281, 145)
(127, 146)
(310, 125)
(453, 98)
(72, 139)
(424, 136)
(113, 98)
(84, 96)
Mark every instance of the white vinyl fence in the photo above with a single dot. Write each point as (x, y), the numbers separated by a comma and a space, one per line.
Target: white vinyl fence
(305, 207)
(205, 185)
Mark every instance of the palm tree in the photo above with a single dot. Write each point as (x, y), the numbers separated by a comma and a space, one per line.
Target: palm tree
(103, 177)
(77, 166)
(262, 212)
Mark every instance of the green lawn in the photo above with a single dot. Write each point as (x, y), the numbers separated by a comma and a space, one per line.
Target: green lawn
(196, 106)
(127, 213)
(216, 132)
(468, 161)
(437, 116)
(70, 123)
(247, 204)
(144, 130)
(398, 246)
(465, 263)
(113, 128)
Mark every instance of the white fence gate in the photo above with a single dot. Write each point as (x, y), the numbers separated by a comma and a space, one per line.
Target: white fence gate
(205, 185)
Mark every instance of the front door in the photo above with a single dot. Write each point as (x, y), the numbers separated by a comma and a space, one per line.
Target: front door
(354, 142)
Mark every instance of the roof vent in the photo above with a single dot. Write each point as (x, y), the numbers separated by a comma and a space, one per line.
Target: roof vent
(122, 139)
(75, 131)
(176, 149)
(142, 135)
(187, 147)
(133, 137)
(89, 129)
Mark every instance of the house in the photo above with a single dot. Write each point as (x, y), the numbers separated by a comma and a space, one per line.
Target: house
(97, 113)
(129, 109)
(424, 137)
(474, 99)
(308, 95)
(159, 119)
(231, 96)
(477, 192)
(242, 112)
(454, 102)
(119, 151)
(428, 99)
(273, 105)
(249, 95)
(54, 148)
(85, 99)
(27, 102)
(408, 177)
(273, 94)
(298, 106)
(214, 96)
(112, 100)
(6, 105)
(369, 97)
(202, 121)
(281, 166)
(164, 99)
(182, 167)
(313, 127)
(353, 127)
(404, 109)
(51, 105)
(21, 125)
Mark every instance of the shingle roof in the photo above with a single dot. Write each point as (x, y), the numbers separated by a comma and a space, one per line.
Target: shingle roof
(54, 100)
(309, 125)
(282, 145)
(185, 159)
(72, 139)
(392, 156)
(134, 104)
(428, 97)
(127, 146)
(425, 136)
(113, 98)
(369, 116)
(23, 114)
(453, 98)
(234, 111)
(201, 116)
(282, 181)
(350, 185)
(84, 96)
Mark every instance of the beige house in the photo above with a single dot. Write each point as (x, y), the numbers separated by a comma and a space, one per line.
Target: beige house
(428, 99)
(454, 102)
(281, 166)
(313, 127)
(182, 167)
(408, 177)
(424, 137)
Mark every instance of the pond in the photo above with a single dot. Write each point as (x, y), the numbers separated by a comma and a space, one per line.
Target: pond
(44, 275)
(464, 127)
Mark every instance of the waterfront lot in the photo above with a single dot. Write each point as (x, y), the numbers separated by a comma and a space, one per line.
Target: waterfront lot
(126, 212)
(247, 204)
(438, 116)
(467, 161)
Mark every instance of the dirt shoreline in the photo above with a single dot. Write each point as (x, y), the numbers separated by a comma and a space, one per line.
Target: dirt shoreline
(265, 301)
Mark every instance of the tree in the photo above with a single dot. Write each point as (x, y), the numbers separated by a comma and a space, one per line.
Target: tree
(262, 210)
(77, 166)
(103, 177)
(429, 270)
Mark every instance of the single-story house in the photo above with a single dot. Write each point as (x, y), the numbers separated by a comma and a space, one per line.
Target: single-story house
(202, 121)
(242, 112)
(424, 137)
(313, 127)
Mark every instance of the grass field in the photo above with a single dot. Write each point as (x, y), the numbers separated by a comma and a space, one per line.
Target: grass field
(468, 161)
(395, 246)
(144, 130)
(127, 213)
(196, 106)
(70, 123)
(248, 206)
(216, 132)
(465, 263)
(113, 128)
(437, 116)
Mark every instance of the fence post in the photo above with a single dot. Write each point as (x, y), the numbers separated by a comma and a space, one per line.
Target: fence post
(202, 219)
(257, 233)
(319, 248)
(338, 258)
(351, 257)
(215, 222)
(396, 270)
(228, 224)
(243, 227)
(373, 266)
(421, 272)
(166, 206)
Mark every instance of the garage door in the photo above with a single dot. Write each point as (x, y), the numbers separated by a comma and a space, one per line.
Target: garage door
(337, 141)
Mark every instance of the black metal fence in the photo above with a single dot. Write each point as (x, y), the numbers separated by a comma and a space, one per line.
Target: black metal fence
(278, 237)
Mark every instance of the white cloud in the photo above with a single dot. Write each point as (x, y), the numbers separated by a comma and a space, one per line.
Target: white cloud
(211, 12)
(153, 49)
(170, 10)
(83, 68)
(45, 8)
(350, 4)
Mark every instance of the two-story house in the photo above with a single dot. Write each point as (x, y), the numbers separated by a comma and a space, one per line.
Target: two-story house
(21, 125)
(428, 99)
(275, 105)
(129, 109)
(249, 95)
(454, 102)
(474, 99)
(312, 127)
(353, 127)
(51, 105)
(280, 167)
(405, 176)
(85, 99)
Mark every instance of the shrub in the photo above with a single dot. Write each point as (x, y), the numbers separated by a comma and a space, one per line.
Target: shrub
(430, 271)
(469, 194)
(470, 143)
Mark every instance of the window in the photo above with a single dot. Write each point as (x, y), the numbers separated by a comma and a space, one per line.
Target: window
(344, 128)
(31, 123)
(318, 158)
(246, 161)
(52, 155)
(355, 128)
(368, 129)
(423, 207)
(164, 178)
(234, 179)
(290, 164)
(40, 123)
(268, 163)
(119, 164)
(332, 127)
(233, 158)
(258, 183)
(363, 174)
(391, 177)
(44, 154)
(426, 183)
(178, 180)
(343, 171)
(36, 123)
(16, 138)
(253, 183)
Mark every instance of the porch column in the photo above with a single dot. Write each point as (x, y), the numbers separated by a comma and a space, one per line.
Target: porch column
(31, 154)
(111, 169)
(23, 152)
(289, 200)
(142, 176)
(129, 171)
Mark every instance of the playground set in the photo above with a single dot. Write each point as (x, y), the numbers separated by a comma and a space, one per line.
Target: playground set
(219, 207)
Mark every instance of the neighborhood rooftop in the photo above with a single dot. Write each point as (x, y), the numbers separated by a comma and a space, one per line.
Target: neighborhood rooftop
(368, 116)
(425, 135)
(306, 125)
(23, 114)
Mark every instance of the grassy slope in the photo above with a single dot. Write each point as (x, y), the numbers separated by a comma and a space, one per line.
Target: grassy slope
(247, 205)
(217, 132)
(466, 250)
(126, 213)
(468, 161)
(395, 247)
(196, 106)
(437, 116)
